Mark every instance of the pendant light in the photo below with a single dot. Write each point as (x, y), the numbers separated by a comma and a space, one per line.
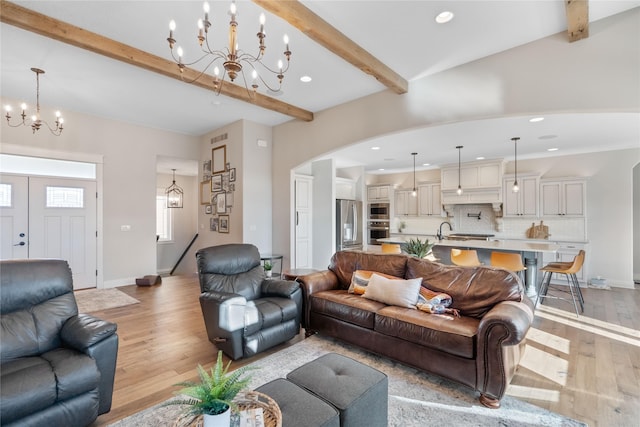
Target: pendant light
(414, 193)
(515, 188)
(174, 194)
(459, 191)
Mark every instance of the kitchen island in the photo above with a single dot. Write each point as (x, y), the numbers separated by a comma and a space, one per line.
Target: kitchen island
(530, 251)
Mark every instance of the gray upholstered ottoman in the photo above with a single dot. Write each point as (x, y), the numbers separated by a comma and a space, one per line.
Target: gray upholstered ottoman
(358, 391)
(299, 407)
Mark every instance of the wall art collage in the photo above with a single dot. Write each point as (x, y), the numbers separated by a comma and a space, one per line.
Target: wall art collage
(217, 188)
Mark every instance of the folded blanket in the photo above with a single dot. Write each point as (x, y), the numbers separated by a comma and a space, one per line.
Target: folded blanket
(435, 302)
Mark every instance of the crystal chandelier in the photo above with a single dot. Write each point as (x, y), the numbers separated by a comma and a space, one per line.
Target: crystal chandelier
(36, 121)
(231, 57)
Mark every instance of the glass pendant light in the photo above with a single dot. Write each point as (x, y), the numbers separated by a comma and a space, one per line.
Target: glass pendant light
(515, 188)
(414, 193)
(459, 190)
(174, 194)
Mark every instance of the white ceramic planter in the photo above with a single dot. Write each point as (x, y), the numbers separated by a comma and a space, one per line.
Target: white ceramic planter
(220, 420)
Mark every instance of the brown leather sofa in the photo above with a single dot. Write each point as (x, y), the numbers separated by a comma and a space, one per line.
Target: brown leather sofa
(480, 349)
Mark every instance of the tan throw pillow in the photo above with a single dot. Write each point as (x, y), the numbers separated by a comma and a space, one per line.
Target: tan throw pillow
(398, 292)
(360, 280)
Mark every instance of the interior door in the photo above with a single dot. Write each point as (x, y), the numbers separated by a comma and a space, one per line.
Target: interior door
(14, 222)
(62, 224)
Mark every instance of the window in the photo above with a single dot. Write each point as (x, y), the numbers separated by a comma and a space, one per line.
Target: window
(5, 195)
(65, 197)
(164, 218)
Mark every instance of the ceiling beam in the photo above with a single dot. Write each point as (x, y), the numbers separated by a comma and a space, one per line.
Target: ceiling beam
(577, 19)
(27, 19)
(319, 30)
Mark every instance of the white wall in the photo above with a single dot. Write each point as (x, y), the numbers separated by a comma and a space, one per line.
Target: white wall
(184, 227)
(636, 222)
(324, 212)
(546, 76)
(128, 180)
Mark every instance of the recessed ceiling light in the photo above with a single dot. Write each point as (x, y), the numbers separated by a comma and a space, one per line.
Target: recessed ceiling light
(536, 119)
(375, 148)
(426, 164)
(381, 169)
(305, 79)
(552, 149)
(480, 158)
(444, 17)
(547, 136)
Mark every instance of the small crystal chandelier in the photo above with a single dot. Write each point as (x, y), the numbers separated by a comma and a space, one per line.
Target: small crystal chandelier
(233, 59)
(174, 194)
(515, 188)
(459, 190)
(36, 121)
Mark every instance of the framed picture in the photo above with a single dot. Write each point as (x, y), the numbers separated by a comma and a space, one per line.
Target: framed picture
(206, 170)
(229, 199)
(228, 166)
(216, 183)
(208, 209)
(225, 181)
(221, 203)
(213, 224)
(205, 193)
(223, 226)
(232, 175)
(218, 159)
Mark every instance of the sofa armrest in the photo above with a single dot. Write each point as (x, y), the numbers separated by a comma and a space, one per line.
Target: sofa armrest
(279, 288)
(223, 312)
(313, 283)
(501, 335)
(83, 331)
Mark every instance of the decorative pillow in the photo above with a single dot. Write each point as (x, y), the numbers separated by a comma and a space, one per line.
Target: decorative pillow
(427, 296)
(398, 292)
(360, 280)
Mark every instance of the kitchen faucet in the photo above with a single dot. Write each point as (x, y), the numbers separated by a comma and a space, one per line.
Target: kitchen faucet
(439, 233)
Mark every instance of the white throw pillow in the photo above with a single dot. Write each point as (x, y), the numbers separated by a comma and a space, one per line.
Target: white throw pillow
(398, 292)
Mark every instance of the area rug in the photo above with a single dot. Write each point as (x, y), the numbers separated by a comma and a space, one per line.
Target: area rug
(415, 398)
(90, 300)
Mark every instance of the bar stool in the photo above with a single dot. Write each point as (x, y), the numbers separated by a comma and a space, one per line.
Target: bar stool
(465, 257)
(509, 261)
(391, 248)
(569, 270)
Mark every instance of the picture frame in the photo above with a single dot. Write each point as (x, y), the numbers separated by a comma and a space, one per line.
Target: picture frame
(216, 183)
(221, 203)
(232, 175)
(208, 209)
(218, 159)
(223, 225)
(228, 166)
(225, 181)
(229, 199)
(205, 193)
(206, 170)
(213, 224)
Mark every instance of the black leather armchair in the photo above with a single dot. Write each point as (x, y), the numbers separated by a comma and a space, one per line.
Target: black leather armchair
(57, 366)
(244, 312)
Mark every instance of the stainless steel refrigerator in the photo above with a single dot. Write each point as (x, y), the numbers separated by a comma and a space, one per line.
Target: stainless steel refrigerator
(349, 224)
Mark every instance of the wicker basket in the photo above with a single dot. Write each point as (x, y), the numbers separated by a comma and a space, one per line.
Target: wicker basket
(244, 400)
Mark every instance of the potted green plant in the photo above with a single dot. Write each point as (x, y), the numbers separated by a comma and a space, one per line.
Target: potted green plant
(268, 268)
(401, 226)
(213, 396)
(418, 248)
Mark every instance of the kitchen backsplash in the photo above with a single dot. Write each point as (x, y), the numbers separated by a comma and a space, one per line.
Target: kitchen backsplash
(466, 221)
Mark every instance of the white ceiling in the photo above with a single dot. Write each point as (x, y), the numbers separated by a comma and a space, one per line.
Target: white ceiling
(402, 34)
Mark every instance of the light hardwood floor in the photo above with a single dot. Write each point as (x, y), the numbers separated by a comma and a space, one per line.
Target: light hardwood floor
(586, 368)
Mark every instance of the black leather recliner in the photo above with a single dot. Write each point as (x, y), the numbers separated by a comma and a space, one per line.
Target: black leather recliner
(57, 366)
(244, 312)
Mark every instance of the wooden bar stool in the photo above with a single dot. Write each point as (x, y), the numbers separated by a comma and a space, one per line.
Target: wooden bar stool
(569, 270)
(391, 248)
(465, 257)
(509, 261)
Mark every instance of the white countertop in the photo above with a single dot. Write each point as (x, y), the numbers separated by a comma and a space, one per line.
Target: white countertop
(505, 245)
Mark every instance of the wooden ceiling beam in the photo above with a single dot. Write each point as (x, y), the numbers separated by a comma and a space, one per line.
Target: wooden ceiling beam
(27, 19)
(319, 30)
(577, 19)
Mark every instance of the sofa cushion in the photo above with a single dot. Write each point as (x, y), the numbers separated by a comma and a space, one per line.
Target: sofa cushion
(346, 307)
(344, 263)
(474, 290)
(360, 280)
(450, 334)
(265, 313)
(399, 292)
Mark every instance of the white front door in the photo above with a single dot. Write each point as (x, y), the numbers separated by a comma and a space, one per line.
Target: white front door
(14, 219)
(62, 224)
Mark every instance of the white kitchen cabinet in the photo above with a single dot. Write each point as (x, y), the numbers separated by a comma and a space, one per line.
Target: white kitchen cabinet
(567, 253)
(473, 175)
(429, 200)
(566, 197)
(345, 189)
(524, 202)
(405, 203)
(378, 192)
